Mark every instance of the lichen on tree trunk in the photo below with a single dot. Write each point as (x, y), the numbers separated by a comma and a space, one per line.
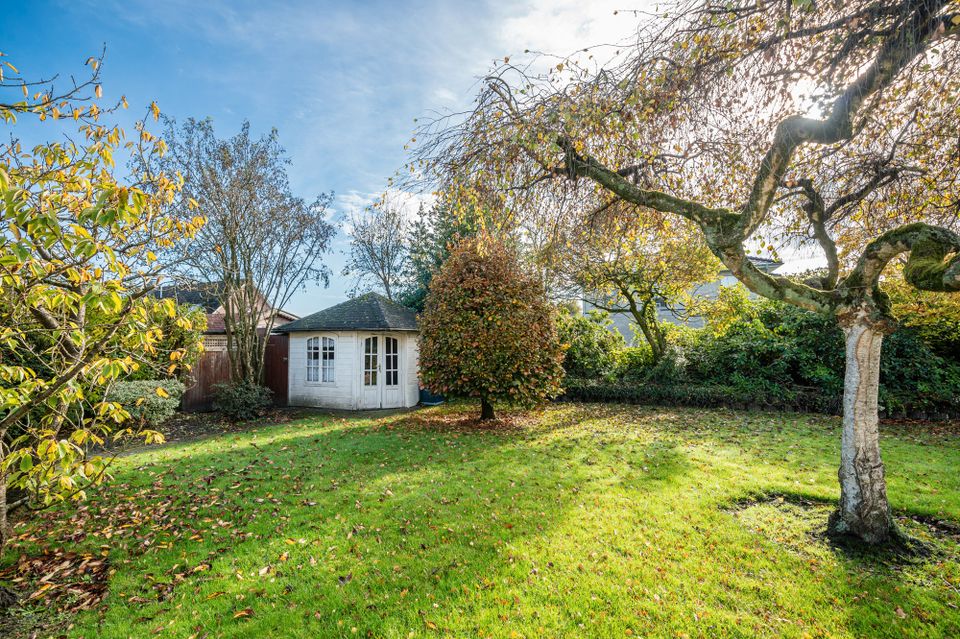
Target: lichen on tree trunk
(863, 511)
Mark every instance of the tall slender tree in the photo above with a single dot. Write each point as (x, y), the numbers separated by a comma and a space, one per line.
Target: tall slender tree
(379, 248)
(831, 125)
(261, 243)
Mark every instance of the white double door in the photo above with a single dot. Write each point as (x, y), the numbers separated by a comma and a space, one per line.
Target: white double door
(380, 371)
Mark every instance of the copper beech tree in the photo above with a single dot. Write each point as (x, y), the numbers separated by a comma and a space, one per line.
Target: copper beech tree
(829, 125)
(488, 331)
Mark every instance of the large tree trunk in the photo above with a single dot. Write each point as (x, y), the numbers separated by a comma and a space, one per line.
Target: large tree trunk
(864, 511)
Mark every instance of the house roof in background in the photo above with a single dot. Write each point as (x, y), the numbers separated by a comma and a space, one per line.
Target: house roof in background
(371, 312)
(205, 295)
(765, 264)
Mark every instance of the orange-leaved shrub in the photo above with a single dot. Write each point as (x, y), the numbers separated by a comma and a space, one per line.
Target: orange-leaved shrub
(487, 330)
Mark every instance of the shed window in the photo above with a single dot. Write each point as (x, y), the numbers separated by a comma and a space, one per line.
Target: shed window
(327, 354)
(392, 361)
(320, 359)
(313, 359)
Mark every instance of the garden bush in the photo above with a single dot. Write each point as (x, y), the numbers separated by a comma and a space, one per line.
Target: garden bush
(765, 353)
(240, 401)
(633, 362)
(593, 345)
(150, 402)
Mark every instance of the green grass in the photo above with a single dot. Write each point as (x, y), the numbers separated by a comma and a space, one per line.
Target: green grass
(582, 521)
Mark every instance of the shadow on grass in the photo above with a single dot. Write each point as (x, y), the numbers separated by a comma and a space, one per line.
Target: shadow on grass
(940, 539)
(314, 529)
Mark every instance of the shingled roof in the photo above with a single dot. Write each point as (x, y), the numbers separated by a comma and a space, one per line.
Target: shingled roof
(369, 312)
(205, 295)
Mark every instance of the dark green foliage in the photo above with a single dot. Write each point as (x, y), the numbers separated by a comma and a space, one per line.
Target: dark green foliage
(697, 395)
(242, 400)
(934, 317)
(786, 349)
(592, 344)
(915, 379)
(436, 231)
(777, 355)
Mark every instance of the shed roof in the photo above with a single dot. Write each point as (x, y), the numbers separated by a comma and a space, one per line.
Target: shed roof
(370, 312)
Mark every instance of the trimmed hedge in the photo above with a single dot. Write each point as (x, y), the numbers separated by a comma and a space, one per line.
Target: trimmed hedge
(242, 401)
(697, 396)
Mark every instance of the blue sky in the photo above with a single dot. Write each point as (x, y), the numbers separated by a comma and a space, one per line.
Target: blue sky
(341, 81)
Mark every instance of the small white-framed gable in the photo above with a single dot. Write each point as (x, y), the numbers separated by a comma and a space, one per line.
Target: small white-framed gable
(362, 354)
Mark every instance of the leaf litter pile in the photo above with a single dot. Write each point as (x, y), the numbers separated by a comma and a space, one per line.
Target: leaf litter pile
(64, 581)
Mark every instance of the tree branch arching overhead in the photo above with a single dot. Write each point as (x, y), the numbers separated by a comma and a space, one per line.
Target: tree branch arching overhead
(827, 125)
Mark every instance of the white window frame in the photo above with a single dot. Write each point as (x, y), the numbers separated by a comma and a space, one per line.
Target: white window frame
(391, 361)
(328, 361)
(313, 360)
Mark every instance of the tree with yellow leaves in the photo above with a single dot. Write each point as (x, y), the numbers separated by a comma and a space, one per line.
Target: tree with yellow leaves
(624, 261)
(77, 266)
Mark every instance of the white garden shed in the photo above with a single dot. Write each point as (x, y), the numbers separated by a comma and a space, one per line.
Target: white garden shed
(361, 354)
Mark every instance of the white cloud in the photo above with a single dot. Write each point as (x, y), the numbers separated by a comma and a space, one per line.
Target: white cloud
(561, 27)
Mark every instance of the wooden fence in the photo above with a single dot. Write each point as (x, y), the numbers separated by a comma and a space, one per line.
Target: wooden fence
(275, 367)
(214, 368)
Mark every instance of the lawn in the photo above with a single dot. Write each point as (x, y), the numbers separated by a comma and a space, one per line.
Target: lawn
(581, 521)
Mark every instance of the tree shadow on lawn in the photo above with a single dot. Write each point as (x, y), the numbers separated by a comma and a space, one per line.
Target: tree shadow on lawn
(312, 530)
(408, 524)
(796, 522)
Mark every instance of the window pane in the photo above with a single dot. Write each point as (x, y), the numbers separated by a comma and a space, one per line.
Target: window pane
(313, 359)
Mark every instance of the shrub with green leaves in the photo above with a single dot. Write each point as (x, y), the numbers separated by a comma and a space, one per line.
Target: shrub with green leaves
(150, 402)
(592, 343)
(765, 353)
(243, 400)
(634, 362)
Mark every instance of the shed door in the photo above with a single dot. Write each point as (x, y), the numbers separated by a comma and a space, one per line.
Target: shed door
(370, 377)
(392, 396)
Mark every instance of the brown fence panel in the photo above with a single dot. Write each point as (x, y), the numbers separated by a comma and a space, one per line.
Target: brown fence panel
(275, 367)
(213, 368)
